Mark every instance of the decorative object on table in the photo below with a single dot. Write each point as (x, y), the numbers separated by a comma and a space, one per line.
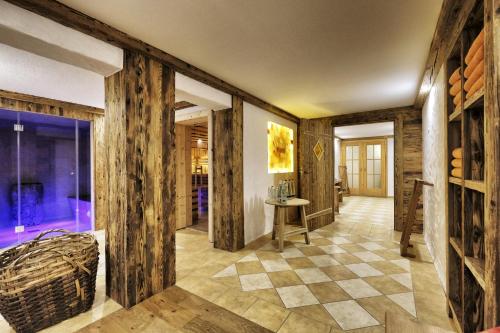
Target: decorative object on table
(318, 150)
(45, 281)
(31, 203)
(456, 163)
(279, 148)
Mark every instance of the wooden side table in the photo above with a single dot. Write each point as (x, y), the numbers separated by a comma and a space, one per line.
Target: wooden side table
(279, 223)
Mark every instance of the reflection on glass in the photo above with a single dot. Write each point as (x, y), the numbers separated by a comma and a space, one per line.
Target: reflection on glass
(44, 175)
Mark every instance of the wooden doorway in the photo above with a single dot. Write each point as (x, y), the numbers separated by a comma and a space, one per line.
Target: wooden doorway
(366, 163)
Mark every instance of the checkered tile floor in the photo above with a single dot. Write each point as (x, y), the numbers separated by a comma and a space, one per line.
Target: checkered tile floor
(342, 272)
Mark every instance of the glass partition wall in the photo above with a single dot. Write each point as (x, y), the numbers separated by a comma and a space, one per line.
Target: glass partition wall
(45, 175)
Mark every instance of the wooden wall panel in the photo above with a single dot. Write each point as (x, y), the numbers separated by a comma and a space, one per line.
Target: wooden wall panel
(183, 176)
(100, 173)
(140, 150)
(316, 176)
(412, 168)
(407, 153)
(228, 204)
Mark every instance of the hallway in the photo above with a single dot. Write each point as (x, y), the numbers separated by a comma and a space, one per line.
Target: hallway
(346, 280)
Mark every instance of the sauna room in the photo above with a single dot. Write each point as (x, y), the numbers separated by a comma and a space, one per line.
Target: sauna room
(174, 166)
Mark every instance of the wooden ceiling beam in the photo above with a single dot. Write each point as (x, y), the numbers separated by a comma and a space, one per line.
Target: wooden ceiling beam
(74, 19)
(451, 20)
(183, 105)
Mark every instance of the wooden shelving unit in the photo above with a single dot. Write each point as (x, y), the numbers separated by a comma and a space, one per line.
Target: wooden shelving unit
(473, 297)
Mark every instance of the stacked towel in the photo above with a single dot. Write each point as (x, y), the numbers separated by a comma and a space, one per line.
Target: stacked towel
(456, 163)
(456, 81)
(474, 72)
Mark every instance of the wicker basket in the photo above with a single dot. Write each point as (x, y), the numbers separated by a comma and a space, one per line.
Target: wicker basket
(45, 281)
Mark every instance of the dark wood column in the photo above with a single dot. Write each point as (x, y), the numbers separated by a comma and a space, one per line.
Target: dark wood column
(228, 177)
(140, 191)
(316, 176)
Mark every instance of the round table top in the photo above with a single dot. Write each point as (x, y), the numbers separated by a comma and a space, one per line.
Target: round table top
(294, 202)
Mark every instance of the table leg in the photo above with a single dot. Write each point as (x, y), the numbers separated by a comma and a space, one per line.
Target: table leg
(304, 223)
(281, 229)
(275, 222)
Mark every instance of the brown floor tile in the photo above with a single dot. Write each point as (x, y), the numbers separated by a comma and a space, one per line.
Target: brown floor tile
(269, 295)
(297, 263)
(387, 267)
(284, 279)
(346, 258)
(352, 248)
(327, 292)
(321, 241)
(236, 301)
(249, 267)
(296, 323)
(386, 285)
(388, 255)
(312, 251)
(230, 281)
(379, 305)
(267, 315)
(337, 273)
(316, 312)
(268, 255)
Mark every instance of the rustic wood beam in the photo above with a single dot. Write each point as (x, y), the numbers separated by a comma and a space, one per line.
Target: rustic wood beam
(376, 116)
(183, 105)
(451, 20)
(228, 204)
(140, 179)
(72, 18)
(24, 102)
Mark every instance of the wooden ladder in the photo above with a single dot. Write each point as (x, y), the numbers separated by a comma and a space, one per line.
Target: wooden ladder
(410, 217)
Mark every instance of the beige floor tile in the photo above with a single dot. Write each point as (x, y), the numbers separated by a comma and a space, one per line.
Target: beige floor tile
(296, 263)
(267, 315)
(324, 261)
(404, 279)
(327, 292)
(386, 285)
(230, 281)
(292, 252)
(367, 256)
(357, 288)
(295, 296)
(363, 270)
(350, 315)
(373, 329)
(255, 282)
(284, 279)
(249, 267)
(296, 323)
(338, 273)
(312, 275)
(268, 255)
(406, 301)
(228, 271)
(332, 249)
(276, 265)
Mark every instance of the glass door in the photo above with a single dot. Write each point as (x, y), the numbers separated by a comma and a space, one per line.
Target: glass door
(351, 157)
(374, 164)
(44, 175)
(366, 166)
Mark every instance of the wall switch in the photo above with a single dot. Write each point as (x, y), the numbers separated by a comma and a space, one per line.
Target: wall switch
(19, 229)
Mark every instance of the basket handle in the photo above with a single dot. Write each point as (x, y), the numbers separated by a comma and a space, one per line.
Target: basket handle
(46, 232)
(66, 258)
(38, 238)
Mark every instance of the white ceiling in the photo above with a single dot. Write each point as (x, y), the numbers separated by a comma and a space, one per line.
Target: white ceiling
(365, 130)
(311, 57)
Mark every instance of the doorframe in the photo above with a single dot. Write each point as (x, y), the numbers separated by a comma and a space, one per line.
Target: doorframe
(362, 143)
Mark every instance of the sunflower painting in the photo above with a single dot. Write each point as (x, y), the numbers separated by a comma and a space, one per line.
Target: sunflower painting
(279, 148)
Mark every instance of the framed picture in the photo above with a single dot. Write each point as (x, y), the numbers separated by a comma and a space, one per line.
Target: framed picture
(279, 148)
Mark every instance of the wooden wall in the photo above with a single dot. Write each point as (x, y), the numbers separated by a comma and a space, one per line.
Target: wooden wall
(183, 176)
(140, 191)
(316, 176)
(228, 205)
(407, 153)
